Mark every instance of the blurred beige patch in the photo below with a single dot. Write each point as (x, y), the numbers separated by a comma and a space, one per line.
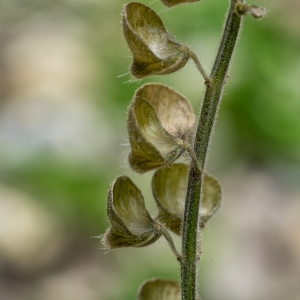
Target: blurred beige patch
(29, 236)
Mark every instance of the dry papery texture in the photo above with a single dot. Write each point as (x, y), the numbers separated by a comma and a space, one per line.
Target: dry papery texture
(159, 120)
(131, 224)
(159, 289)
(174, 111)
(169, 186)
(154, 50)
(171, 3)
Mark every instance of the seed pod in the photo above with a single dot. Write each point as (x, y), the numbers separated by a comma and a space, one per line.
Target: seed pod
(173, 109)
(154, 50)
(211, 201)
(169, 187)
(159, 289)
(131, 224)
(171, 3)
(157, 117)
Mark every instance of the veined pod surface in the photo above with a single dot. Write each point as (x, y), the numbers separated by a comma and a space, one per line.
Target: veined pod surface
(154, 50)
(131, 224)
(159, 120)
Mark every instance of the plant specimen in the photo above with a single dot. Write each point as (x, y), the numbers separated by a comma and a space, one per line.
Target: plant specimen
(161, 127)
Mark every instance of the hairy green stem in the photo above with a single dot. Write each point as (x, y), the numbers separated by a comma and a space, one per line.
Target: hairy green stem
(191, 229)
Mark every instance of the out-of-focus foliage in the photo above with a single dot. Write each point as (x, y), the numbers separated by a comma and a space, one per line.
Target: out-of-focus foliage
(62, 123)
(264, 106)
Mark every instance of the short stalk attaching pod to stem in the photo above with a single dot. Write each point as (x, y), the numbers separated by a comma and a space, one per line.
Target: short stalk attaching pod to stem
(199, 67)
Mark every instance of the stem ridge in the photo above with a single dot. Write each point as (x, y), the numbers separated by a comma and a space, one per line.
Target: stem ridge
(191, 232)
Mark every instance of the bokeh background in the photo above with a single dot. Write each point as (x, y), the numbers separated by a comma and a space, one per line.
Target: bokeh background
(64, 92)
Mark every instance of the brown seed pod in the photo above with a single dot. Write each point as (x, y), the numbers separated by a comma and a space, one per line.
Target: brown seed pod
(169, 187)
(157, 119)
(154, 50)
(131, 224)
(159, 289)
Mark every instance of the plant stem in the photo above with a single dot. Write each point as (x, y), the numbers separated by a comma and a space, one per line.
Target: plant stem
(191, 229)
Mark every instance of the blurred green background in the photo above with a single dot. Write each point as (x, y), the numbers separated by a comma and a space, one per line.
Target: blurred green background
(64, 92)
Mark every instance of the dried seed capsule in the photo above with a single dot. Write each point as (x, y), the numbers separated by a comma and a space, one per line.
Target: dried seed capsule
(158, 121)
(154, 50)
(169, 187)
(173, 109)
(159, 289)
(131, 224)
